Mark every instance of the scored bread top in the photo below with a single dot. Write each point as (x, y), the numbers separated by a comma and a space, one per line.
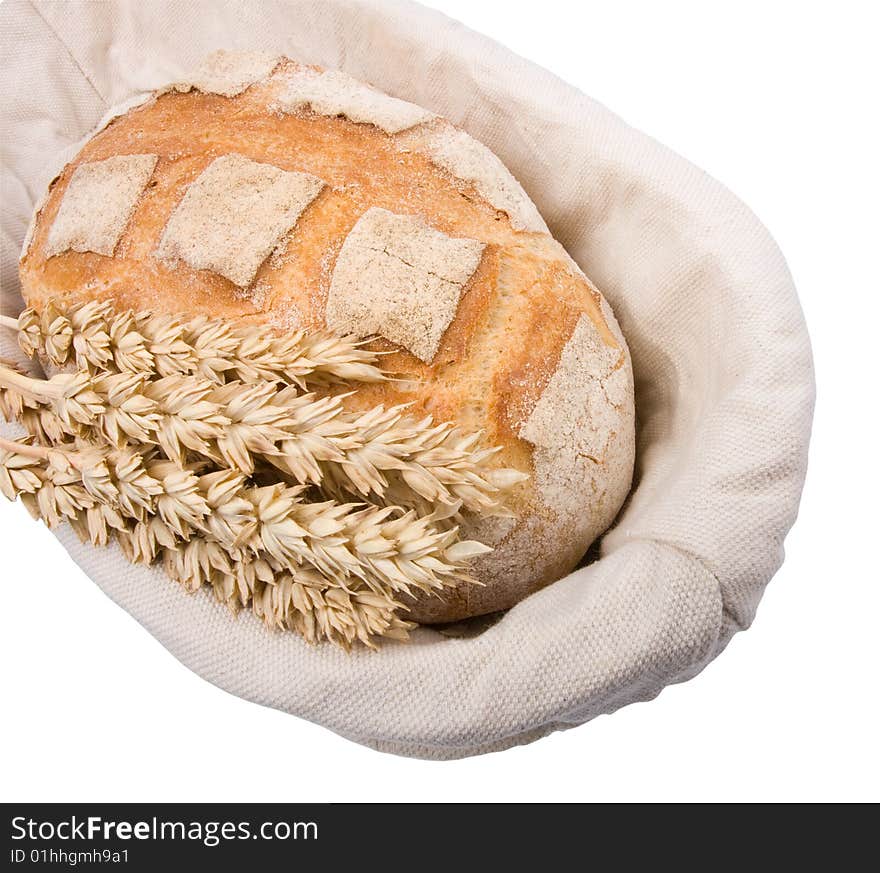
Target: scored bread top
(262, 189)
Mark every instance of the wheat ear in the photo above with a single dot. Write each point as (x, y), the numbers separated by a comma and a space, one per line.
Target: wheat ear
(299, 599)
(153, 438)
(94, 336)
(312, 439)
(156, 508)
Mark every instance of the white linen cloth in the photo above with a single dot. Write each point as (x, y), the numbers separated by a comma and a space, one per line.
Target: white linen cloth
(724, 382)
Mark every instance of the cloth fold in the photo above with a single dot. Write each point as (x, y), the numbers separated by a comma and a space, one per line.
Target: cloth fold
(724, 381)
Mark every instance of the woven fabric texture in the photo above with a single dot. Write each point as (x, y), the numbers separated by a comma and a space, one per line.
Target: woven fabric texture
(724, 381)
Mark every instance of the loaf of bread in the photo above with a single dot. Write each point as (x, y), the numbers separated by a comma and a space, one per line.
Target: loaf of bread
(268, 191)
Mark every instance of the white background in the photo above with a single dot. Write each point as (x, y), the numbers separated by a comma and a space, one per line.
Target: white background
(779, 102)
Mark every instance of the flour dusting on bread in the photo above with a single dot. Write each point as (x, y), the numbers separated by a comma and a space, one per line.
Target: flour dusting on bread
(234, 215)
(399, 278)
(575, 419)
(229, 73)
(334, 93)
(470, 161)
(98, 203)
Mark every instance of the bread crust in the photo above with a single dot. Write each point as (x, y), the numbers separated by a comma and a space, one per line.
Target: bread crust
(510, 340)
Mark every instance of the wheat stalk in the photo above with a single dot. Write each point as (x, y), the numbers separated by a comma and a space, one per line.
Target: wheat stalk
(95, 337)
(213, 528)
(12, 402)
(312, 439)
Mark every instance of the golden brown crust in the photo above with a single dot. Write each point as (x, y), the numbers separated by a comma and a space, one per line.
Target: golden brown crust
(515, 316)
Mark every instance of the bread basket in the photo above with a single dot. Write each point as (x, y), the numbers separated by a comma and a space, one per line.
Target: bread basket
(724, 383)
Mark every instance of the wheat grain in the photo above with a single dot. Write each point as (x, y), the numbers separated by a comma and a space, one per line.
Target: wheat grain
(95, 337)
(299, 600)
(213, 528)
(312, 439)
